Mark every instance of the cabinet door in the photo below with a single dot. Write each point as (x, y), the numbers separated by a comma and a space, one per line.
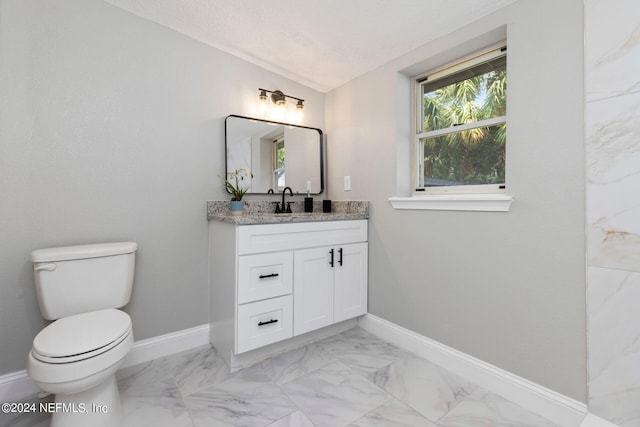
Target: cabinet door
(350, 281)
(312, 289)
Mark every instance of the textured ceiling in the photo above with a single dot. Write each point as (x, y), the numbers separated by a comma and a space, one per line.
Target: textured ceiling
(319, 43)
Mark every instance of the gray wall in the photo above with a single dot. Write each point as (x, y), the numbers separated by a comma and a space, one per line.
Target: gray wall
(508, 288)
(112, 128)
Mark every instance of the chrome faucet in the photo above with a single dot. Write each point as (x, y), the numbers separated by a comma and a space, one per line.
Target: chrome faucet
(288, 208)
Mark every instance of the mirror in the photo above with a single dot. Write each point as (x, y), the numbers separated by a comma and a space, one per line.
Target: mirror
(277, 154)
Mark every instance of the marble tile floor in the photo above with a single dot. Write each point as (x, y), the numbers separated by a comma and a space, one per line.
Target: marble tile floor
(350, 379)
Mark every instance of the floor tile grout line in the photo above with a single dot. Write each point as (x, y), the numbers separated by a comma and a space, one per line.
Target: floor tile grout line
(284, 393)
(391, 395)
(306, 373)
(351, 372)
(389, 399)
(184, 405)
(296, 405)
(450, 409)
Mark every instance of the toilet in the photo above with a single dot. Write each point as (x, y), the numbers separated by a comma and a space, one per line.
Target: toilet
(76, 356)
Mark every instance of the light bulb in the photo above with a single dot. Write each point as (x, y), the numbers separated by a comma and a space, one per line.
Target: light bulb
(262, 101)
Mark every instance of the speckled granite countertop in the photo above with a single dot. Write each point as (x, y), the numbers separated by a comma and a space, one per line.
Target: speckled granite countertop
(261, 212)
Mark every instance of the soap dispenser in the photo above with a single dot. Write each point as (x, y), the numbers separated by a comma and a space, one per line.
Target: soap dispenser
(308, 201)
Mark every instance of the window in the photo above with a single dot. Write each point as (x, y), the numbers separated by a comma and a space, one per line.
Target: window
(461, 115)
(278, 163)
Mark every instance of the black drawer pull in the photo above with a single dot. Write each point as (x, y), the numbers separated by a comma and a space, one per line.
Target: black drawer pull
(264, 276)
(331, 252)
(268, 322)
(340, 258)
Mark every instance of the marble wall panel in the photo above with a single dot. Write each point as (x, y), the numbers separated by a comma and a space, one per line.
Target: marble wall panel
(613, 182)
(612, 132)
(612, 54)
(614, 345)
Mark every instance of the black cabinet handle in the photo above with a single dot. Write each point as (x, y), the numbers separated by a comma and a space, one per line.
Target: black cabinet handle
(268, 322)
(340, 257)
(331, 262)
(264, 276)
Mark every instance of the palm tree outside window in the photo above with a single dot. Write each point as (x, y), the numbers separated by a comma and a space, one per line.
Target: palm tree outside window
(462, 126)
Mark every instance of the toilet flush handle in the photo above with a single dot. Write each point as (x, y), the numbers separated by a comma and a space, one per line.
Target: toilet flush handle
(46, 267)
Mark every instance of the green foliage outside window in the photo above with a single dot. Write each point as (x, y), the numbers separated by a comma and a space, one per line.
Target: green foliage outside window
(280, 156)
(475, 156)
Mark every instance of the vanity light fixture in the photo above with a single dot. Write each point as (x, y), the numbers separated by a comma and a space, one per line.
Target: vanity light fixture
(263, 96)
(279, 99)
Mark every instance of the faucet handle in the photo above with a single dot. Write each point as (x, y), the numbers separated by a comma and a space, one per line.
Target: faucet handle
(289, 207)
(277, 207)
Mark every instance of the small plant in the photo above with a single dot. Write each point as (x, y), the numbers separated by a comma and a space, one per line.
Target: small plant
(237, 191)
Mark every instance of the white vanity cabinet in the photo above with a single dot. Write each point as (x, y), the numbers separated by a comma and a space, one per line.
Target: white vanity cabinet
(271, 282)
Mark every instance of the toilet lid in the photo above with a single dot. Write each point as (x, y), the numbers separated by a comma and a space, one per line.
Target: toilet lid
(81, 336)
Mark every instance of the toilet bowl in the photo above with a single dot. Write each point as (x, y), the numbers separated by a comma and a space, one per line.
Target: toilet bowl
(76, 357)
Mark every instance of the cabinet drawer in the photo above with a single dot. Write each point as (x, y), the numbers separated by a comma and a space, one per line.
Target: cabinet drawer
(279, 237)
(264, 322)
(264, 276)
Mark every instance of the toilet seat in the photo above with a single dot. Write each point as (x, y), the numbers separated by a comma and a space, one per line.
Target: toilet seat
(82, 336)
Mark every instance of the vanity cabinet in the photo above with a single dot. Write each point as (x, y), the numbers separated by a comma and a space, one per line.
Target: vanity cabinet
(271, 282)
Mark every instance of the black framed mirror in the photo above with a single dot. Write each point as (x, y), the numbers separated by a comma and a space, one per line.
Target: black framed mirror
(277, 154)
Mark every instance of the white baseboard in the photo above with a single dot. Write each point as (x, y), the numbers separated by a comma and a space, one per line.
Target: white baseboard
(164, 345)
(17, 385)
(552, 405)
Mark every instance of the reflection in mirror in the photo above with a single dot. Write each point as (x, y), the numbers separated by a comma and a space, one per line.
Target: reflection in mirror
(279, 155)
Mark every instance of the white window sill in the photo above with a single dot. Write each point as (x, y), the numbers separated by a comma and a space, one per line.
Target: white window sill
(455, 202)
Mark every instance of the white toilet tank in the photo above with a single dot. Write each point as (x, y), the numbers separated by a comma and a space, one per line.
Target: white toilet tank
(77, 279)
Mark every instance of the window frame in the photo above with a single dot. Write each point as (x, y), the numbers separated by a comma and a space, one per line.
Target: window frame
(470, 61)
